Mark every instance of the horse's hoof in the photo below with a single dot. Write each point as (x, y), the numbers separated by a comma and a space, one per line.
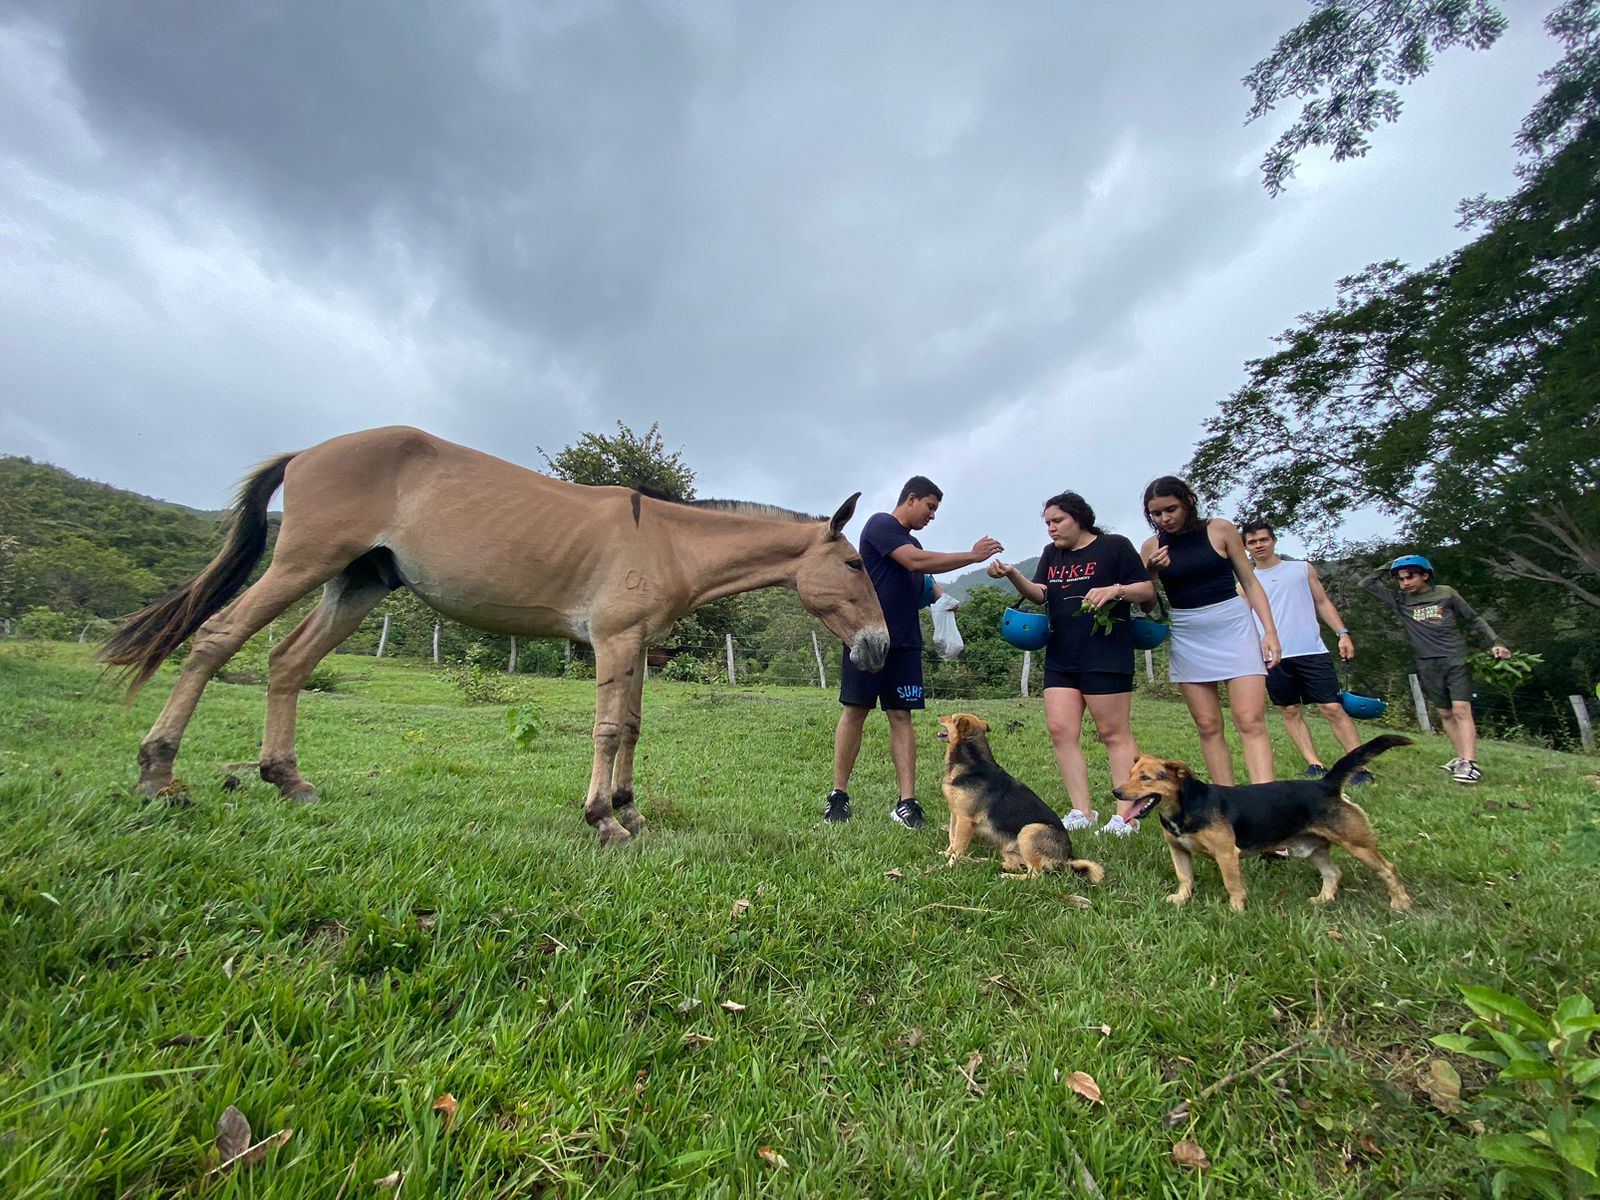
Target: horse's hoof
(632, 820)
(306, 794)
(613, 834)
(150, 788)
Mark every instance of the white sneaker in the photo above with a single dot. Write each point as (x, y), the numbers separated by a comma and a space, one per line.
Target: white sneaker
(1117, 827)
(1466, 772)
(1078, 820)
(1452, 766)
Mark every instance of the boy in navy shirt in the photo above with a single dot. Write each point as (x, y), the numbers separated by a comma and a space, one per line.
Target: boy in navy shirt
(895, 562)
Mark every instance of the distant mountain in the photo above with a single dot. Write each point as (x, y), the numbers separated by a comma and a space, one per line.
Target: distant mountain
(961, 585)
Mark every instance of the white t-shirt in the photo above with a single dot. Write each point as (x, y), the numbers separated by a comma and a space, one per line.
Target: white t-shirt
(1288, 588)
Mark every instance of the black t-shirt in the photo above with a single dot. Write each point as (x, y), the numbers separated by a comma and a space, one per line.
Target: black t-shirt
(898, 589)
(1067, 576)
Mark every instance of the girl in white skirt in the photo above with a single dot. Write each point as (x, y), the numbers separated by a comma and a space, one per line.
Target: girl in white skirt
(1212, 589)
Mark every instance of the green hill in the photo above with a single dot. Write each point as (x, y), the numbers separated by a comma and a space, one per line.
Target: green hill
(75, 545)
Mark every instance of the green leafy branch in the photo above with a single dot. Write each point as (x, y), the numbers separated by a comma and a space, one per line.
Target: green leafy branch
(1105, 620)
(1549, 1081)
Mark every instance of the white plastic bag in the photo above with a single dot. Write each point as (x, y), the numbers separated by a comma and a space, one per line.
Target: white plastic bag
(946, 637)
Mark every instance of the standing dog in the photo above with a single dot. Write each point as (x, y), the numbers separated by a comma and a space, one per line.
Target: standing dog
(987, 802)
(1303, 816)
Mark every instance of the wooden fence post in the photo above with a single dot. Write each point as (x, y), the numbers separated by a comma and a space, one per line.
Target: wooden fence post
(511, 664)
(1027, 669)
(822, 672)
(730, 657)
(436, 626)
(383, 638)
(1585, 729)
(272, 632)
(1421, 702)
(1150, 665)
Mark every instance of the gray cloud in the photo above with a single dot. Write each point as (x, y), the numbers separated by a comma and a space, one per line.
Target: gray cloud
(820, 243)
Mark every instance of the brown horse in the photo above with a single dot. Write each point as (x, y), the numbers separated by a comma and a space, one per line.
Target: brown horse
(491, 545)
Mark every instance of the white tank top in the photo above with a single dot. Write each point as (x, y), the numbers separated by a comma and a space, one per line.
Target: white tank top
(1288, 588)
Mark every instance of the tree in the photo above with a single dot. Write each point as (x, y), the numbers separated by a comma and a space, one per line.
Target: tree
(1346, 61)
(626, 460)
(1462, 397)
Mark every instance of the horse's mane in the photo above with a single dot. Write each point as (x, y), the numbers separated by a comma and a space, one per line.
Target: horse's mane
(751, 509)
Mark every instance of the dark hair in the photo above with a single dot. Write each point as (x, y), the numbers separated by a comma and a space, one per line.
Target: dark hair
(1076, 507)
(1258, 523)
(1175, 488)
(919, 485)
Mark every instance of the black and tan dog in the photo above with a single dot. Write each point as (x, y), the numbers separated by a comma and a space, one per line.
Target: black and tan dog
(988, 803)
(1302, 816)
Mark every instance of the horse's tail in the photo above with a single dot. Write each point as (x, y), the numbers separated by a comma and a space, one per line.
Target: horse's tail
(144, 639)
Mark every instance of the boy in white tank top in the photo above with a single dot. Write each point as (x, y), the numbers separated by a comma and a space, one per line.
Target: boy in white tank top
(1305, 674)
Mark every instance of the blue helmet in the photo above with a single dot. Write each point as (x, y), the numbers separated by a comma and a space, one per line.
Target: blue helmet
(1411, 560)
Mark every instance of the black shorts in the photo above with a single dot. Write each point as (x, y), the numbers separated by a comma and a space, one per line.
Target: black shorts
(1303, 679)
(898, 685)
(1443, 681)
(1090, 683)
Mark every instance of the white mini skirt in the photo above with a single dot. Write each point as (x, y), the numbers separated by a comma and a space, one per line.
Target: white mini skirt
(1215, 643)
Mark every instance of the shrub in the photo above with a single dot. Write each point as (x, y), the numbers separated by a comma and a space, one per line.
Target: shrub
(47, 625)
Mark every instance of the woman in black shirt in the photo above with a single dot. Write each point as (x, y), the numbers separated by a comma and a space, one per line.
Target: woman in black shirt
(1209, 580)
(1082, 569)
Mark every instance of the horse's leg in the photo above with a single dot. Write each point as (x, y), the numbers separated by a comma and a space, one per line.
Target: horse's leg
(615, 664)
(346, 599)
(215, 642)
(622, 798)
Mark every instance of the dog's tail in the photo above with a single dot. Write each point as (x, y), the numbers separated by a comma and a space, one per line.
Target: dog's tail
(1360, 757)
(1092, 871)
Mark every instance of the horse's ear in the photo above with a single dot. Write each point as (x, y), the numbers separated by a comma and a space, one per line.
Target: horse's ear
(842, 518)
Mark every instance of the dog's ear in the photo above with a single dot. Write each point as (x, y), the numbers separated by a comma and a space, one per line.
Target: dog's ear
(981, 723)
(1177, 770)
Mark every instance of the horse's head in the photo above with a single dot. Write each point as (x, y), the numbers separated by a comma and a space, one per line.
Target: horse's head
(834, 587)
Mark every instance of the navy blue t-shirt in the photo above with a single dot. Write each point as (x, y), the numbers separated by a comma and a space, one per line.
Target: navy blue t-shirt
(898, 589)
(1069, 575)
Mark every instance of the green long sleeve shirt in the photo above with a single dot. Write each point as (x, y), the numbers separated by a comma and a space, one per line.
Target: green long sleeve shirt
(1432, 618)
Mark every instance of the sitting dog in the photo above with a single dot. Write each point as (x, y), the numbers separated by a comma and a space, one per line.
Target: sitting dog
(1302, 816)
(987, 802)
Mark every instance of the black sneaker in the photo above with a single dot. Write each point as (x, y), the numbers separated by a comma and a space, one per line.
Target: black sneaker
(1362, 776)
(838, 806)
(1314, 771)
(908, 813)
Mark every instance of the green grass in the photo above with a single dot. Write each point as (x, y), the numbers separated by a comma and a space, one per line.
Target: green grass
(443, 922)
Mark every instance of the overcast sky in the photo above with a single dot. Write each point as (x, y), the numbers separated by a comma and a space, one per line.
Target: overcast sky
(1016, 246)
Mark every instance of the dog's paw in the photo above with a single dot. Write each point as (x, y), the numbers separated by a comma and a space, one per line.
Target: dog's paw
(1237, 904)
(1178, 899)
(1322, 898)
(1400, 904)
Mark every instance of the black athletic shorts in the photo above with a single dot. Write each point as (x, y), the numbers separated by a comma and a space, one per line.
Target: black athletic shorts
(898, 685)
(1443, 681)
(1090, 683)
(1303, 679)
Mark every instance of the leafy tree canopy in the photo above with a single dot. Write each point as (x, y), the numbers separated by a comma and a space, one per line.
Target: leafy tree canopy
(627, 459)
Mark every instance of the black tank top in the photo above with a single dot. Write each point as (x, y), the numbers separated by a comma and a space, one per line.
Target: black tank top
(1197, 575)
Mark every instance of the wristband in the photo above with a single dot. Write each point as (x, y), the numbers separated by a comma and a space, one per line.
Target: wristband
(1341, 633)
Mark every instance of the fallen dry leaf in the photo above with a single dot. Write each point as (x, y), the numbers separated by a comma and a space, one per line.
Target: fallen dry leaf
(1105, 1031)
(447, 1105)
(894, 873)
(1336, 935)
(740, 907)
(695, 1040)
(233, 1133)
(1083, 1083)
(392, 1180)
(913, 1038)
(1187, 1153)
(734, 1006)
(1443, 1086)
(227, 967)
(970, 1073)
(687, 1007)
(1368, 1144)
(639, 1080)
(1080, 901)
(772, 1158)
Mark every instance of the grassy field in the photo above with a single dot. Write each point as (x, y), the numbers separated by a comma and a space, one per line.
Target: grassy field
(442, 922)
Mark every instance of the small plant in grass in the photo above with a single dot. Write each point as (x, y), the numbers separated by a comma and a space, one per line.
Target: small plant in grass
(1548, 1083)
(478, 683)
(522, 723)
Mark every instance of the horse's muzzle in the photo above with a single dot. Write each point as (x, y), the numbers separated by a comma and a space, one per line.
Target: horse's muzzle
(870, 648)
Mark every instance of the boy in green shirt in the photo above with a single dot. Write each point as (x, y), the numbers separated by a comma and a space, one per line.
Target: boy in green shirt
(1430, 613)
